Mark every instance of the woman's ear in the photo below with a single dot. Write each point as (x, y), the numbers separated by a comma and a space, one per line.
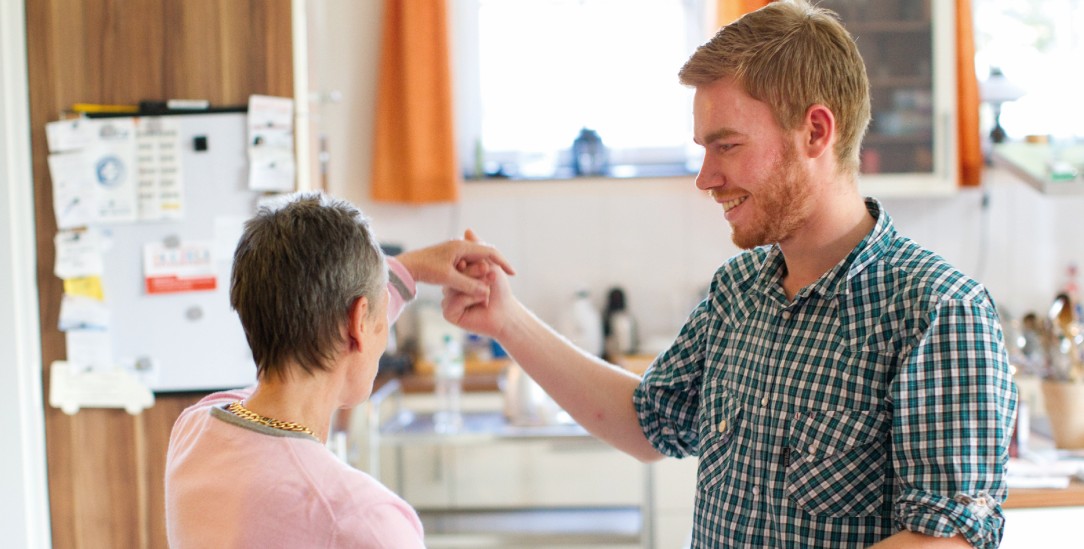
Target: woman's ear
(359, 313)
(820, 130)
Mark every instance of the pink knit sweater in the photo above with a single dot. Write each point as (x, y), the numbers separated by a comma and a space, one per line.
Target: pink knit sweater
(229, 484)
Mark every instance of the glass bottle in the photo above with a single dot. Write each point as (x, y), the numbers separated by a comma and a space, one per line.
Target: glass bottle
(449, 386)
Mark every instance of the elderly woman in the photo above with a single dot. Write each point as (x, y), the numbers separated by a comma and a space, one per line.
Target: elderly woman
(316, 297)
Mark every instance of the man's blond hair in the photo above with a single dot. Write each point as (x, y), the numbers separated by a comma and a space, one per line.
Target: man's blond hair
(791, 56)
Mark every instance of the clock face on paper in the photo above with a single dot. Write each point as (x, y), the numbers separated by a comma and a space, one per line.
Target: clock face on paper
(110, 171)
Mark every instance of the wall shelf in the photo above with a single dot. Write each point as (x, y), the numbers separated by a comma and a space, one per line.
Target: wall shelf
(1032, 163)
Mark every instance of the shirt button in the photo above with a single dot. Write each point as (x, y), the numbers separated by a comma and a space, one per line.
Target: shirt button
(786, 315)
(764, 401)
(722, 426)
(756, 490)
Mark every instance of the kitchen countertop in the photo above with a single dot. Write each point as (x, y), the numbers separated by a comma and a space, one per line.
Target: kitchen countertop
(426, 383)
(483, 375)
(1019, 498)
(1031, 498)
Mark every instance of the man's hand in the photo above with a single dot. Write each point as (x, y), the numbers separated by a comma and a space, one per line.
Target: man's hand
(444, 264)
(482, 313)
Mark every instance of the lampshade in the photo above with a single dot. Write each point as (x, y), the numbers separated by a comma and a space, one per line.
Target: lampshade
(997, 89)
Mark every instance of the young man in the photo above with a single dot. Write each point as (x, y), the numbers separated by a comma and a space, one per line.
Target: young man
(842, 386)
(249, 468)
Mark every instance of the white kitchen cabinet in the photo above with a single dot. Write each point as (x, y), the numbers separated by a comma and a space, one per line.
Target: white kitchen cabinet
(909, 47)
(674, 495)
(492, 484)
(571, 474)
(1042, 527)
(581, 482)
(559, 473)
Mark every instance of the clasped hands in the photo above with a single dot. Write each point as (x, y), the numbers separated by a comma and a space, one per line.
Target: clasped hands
(482, 312)
(473, 275)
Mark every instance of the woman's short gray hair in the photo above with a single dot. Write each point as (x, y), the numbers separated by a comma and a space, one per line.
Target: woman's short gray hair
(301, 263)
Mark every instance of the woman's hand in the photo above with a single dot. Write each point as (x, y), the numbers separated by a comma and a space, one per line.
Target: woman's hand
(445, 264)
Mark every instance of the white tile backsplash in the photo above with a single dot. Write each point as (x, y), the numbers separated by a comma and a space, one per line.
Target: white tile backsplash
(661, 240)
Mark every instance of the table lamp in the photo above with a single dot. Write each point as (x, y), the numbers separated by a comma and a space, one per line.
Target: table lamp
(995, 90)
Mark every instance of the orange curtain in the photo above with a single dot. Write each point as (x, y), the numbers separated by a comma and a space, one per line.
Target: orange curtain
(727, 11)
(967, 87)
(414, 157)
(967, 101)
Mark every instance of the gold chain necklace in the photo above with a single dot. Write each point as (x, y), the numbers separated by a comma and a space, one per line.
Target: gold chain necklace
(239, 410)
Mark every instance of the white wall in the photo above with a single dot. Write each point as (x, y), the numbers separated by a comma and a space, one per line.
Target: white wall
(24, 511)
(661, 240)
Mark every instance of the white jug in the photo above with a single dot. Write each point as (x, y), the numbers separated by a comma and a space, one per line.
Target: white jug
(525, 403)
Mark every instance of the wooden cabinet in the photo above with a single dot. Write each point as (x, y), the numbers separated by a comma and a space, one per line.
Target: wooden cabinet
(909, 50)
(105, 466)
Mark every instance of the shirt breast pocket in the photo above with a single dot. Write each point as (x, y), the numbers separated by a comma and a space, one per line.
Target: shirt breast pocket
(837, 462)
(719, 424)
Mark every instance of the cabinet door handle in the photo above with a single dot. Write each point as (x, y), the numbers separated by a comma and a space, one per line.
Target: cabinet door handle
(947, 139)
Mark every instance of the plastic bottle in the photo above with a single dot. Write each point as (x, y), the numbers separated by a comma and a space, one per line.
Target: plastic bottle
(449, 386)
(582, 324)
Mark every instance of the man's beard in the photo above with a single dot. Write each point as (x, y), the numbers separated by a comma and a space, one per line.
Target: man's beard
(783, 202)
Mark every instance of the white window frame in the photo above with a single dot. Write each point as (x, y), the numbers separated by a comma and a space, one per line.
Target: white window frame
(466, 79)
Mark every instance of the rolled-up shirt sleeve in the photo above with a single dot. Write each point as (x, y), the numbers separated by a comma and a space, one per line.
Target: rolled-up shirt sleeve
(668, 399)
(401, 286)
(954, 401)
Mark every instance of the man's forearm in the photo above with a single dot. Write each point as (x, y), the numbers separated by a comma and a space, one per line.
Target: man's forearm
(906, 539)
(597, 394)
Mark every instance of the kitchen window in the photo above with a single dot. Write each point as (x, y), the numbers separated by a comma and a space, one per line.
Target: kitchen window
(1037, 45)
(530, 75)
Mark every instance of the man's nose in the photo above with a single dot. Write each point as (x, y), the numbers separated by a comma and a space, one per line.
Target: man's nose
(709, 176)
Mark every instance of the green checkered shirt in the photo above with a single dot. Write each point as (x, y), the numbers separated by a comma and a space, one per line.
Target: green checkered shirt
(879, 399)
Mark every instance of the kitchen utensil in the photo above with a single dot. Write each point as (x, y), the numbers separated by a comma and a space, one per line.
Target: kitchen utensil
(1066, 325)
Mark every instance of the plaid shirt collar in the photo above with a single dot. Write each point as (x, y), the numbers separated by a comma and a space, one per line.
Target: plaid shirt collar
(769, 279)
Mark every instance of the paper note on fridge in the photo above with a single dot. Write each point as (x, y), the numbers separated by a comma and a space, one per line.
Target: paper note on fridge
(113, 156)
(160, 180)
(78, 254)
(271, 143)
(89, 349)
(82, 313)
(85, 286)
(75, 196)
(70, 135)
(174, 267)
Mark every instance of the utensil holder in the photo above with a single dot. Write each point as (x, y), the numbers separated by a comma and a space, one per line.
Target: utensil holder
(1065, 409)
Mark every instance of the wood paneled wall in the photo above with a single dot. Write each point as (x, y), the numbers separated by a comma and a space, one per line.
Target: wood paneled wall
(105, 466)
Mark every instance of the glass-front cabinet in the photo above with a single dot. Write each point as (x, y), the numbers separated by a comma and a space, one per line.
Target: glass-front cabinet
(909, 48)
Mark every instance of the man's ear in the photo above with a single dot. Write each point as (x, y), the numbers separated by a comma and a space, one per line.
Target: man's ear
(819, 129)
(355, 326)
